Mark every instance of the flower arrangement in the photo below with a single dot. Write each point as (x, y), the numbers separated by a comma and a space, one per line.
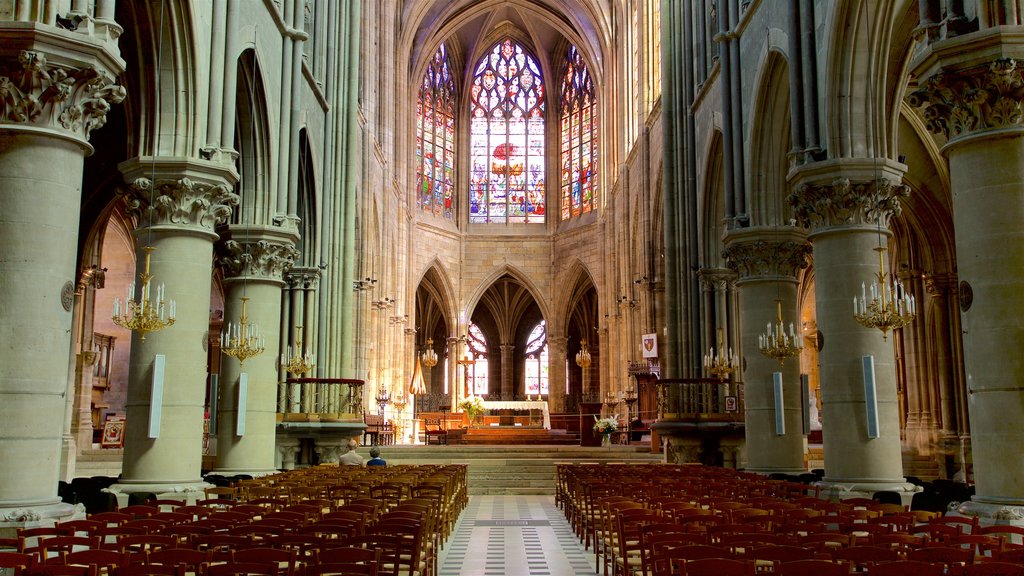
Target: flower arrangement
(606, 425)
(473, 406)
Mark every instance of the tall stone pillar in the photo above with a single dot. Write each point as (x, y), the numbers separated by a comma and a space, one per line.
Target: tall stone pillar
(972, 87)
(507, 367)
(556, 373)
(847, 207)
(177, 203)
(767, 261)
(58, 86)
(254, 259)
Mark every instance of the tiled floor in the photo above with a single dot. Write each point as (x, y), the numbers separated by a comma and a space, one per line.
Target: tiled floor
(514, 536)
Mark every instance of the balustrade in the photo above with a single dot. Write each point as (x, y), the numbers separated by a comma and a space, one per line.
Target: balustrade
(320, 398)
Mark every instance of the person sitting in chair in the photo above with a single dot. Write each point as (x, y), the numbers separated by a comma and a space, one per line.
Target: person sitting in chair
(351, 457)
(375, 459)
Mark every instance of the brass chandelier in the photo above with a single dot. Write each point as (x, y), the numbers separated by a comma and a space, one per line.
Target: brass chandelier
(723, 362)
(242, 341)
(776, 343)
(890, 306)
(143, 314)
(297, 361)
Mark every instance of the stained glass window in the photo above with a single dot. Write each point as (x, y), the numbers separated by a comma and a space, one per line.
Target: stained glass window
(435, 137)
(537, 361)
(578, 138)
(506, 183)
(477, 351)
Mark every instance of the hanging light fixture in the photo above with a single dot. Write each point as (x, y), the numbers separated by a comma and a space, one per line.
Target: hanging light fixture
(776, 343)
(297, 361)
(583, 358)
(429, 357)
(242, 341)
(141, 313)
(721, 363)
(891, 307)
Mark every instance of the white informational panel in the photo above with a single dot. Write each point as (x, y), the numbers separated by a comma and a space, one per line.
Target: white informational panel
(870, 396)
(805, 402)
(780, 411)
(243, 396)
(156, 395)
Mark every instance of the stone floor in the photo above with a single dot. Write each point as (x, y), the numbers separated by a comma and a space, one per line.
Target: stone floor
(514, 536)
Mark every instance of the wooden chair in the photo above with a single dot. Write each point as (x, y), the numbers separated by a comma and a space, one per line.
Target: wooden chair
(16, 562)
(718, 567)
(102, 562)
(286, 560)
(862, 557)
(434, 431)
(813, 567)
(993, 569)
(241, 569)
(186, 559)
(345, 561)
(149, 570)
(950, 557)
(905, 568)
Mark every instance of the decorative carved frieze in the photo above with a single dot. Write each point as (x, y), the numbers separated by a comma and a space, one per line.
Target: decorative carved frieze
(182, 202)
(846, 203)
(36, 93)
(766, 258)
(261, 259)
(975, 99)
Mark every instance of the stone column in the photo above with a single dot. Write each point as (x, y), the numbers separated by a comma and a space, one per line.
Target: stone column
(254, 259)
(767, 261)
(972, 87)
(556, 373)
(177, 203)
(507, 388)
(287, 450)
(58, 87)
(847, 207)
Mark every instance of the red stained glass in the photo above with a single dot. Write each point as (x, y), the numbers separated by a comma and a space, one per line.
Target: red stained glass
(435, 140)
(579, 138)
(507, 137)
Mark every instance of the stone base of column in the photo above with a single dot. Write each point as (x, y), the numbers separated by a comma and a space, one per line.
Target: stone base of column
(14, 517)
(839, 489)
(187, 492)
(251, 472)
(992, 511)
(767, 471)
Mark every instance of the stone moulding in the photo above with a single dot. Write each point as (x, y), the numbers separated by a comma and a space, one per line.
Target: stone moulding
(182, 202)
(763, 258)
(843, 202)
(260, 259)
(34, 92)
(975, 99)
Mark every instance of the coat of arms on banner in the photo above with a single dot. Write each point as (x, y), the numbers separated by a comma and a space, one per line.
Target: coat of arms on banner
(649, 345)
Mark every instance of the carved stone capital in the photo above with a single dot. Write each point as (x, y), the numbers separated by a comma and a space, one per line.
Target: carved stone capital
(303, 277)
(260, 259)
(716, 279)
(975, 99)
(842, 203)
(766, 258)
(37, 94)
(182, 202)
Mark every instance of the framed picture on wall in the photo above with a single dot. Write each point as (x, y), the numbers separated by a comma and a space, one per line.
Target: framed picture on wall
(113, 433)
(732, 404)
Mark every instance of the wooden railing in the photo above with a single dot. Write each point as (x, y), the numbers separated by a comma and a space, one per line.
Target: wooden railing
(324, 398)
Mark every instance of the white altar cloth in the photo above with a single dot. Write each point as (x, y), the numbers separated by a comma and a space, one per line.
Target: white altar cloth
(521, 405)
